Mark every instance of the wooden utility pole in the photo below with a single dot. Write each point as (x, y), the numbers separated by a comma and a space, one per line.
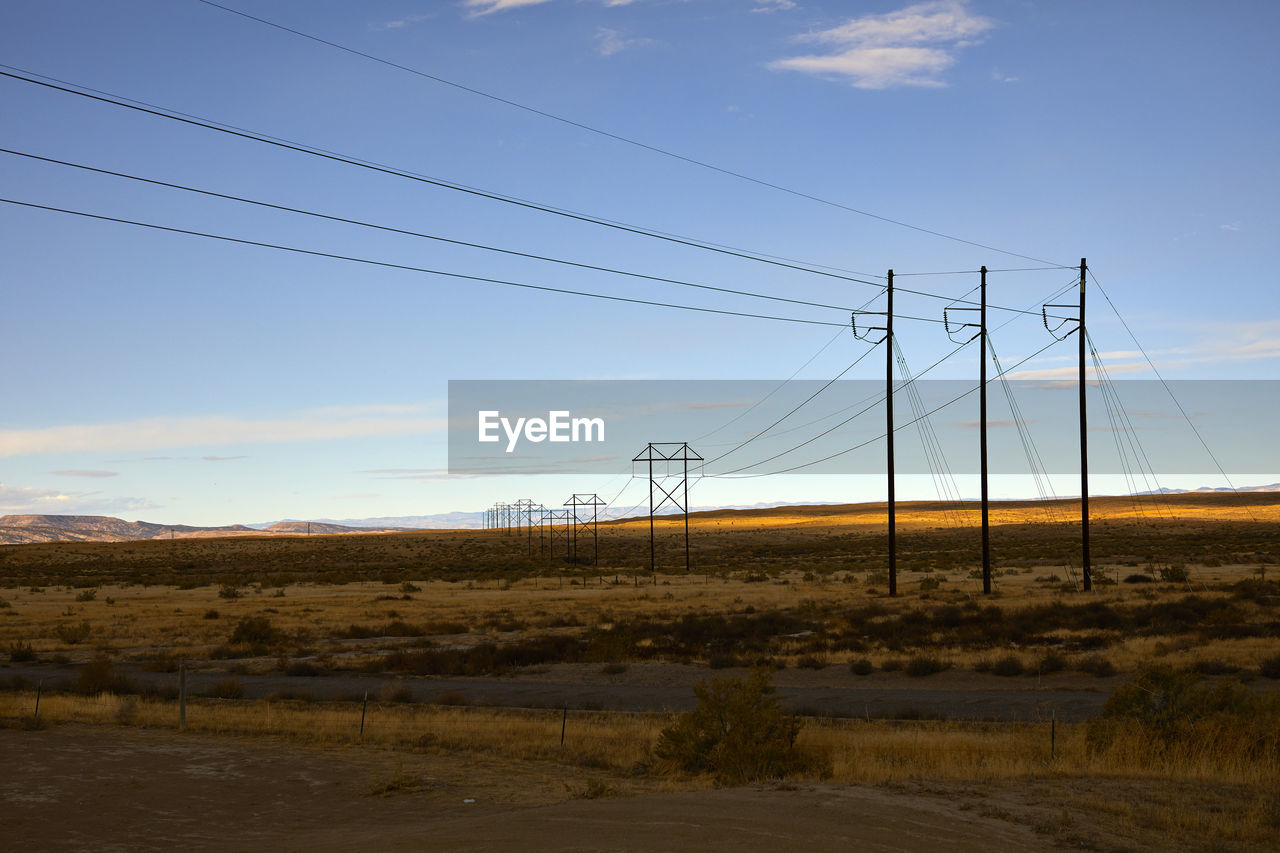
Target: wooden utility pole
(888, 404)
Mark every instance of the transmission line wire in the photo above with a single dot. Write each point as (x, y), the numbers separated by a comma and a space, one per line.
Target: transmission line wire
(302, 148)
(877, 437)
(424, 270)
(831, 429)
(619, 138)
(438, 238)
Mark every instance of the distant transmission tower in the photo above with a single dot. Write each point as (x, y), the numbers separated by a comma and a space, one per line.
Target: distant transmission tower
(667, 453)
(591, 522)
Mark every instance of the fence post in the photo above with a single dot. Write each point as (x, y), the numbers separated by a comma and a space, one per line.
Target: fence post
(182, 696)
(39, 686)
(363, 708)
(564, 721)
(1053, 735)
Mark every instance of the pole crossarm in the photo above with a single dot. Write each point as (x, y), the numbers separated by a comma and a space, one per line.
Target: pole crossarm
(866, 330)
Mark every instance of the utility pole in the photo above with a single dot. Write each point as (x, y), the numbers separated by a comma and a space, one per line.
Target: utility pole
(887, 340)
(888, 404)
(1086, 572)
(981, 336)
(982, 438)
(1085, 560)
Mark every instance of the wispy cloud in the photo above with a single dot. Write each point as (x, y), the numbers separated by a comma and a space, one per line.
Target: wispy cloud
(609, 42)
(159, 433)
(1230, 226)
(414, 474)
(767, 6)
(990, 424)
(1227, 343)
(910, 47)
(86, 472)
(478, 8)
(25, 500)
(401, 23)
(222, 458)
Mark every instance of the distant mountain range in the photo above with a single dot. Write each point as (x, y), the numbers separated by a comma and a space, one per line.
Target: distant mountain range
(20, 529)
(1272, 487)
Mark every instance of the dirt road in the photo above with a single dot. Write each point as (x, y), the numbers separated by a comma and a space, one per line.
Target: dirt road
(669, 687)
(77, 788)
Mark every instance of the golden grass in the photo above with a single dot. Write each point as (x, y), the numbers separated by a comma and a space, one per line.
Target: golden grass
(1174, 799)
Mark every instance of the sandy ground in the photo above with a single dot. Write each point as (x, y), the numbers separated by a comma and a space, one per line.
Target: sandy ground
(81, 788)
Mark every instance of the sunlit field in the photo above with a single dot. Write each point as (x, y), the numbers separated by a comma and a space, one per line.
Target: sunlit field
(1186, 584)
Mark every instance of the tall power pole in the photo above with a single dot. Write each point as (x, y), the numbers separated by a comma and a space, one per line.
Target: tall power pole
(887, 340)
(981, 337)
(982, 438)
(888, 405)
(1086, 562)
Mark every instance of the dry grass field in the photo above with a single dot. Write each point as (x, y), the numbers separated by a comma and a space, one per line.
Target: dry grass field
(1186, 584)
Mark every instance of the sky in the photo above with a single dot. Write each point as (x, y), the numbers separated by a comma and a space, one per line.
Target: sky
(181, 379)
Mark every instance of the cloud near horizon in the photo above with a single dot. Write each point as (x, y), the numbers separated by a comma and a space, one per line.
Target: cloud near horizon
(910, 47)
(25, 500)
(167, 432)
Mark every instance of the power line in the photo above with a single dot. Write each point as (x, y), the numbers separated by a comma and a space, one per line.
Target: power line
(408, 268)
(838, 425)
(1164, 384)
(363, 224)
(796, 408)
(186, 118)
(619, 138)
(290, 145)
(877, 437)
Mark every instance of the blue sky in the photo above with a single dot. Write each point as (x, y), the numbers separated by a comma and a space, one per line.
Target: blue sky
(178, 379)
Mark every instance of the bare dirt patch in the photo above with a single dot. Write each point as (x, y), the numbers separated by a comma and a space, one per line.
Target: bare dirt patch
(79, 788)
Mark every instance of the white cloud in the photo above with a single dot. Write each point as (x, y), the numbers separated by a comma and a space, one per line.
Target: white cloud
(910, 47)
(767, 6)
(86, 472)
(25, 500)
(1230, 226)
(477, 8)
(401, 23)
(159, 433)
(609, 42)
(1226, 344)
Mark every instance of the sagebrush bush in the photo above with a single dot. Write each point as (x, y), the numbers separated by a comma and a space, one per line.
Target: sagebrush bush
(1162, 713)
(737, 733)
(1008, 666)
(922, 665)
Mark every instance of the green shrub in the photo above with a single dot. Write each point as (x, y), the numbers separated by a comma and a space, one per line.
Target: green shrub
(99, 676)
(861, 666)
(227, 688)
(922, 665)
(256, 632)
(1270, 668)
(21, 653)
(1097, 665)
(737, 733)
(1052, 662)
(1008, 666)
(73, 633)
